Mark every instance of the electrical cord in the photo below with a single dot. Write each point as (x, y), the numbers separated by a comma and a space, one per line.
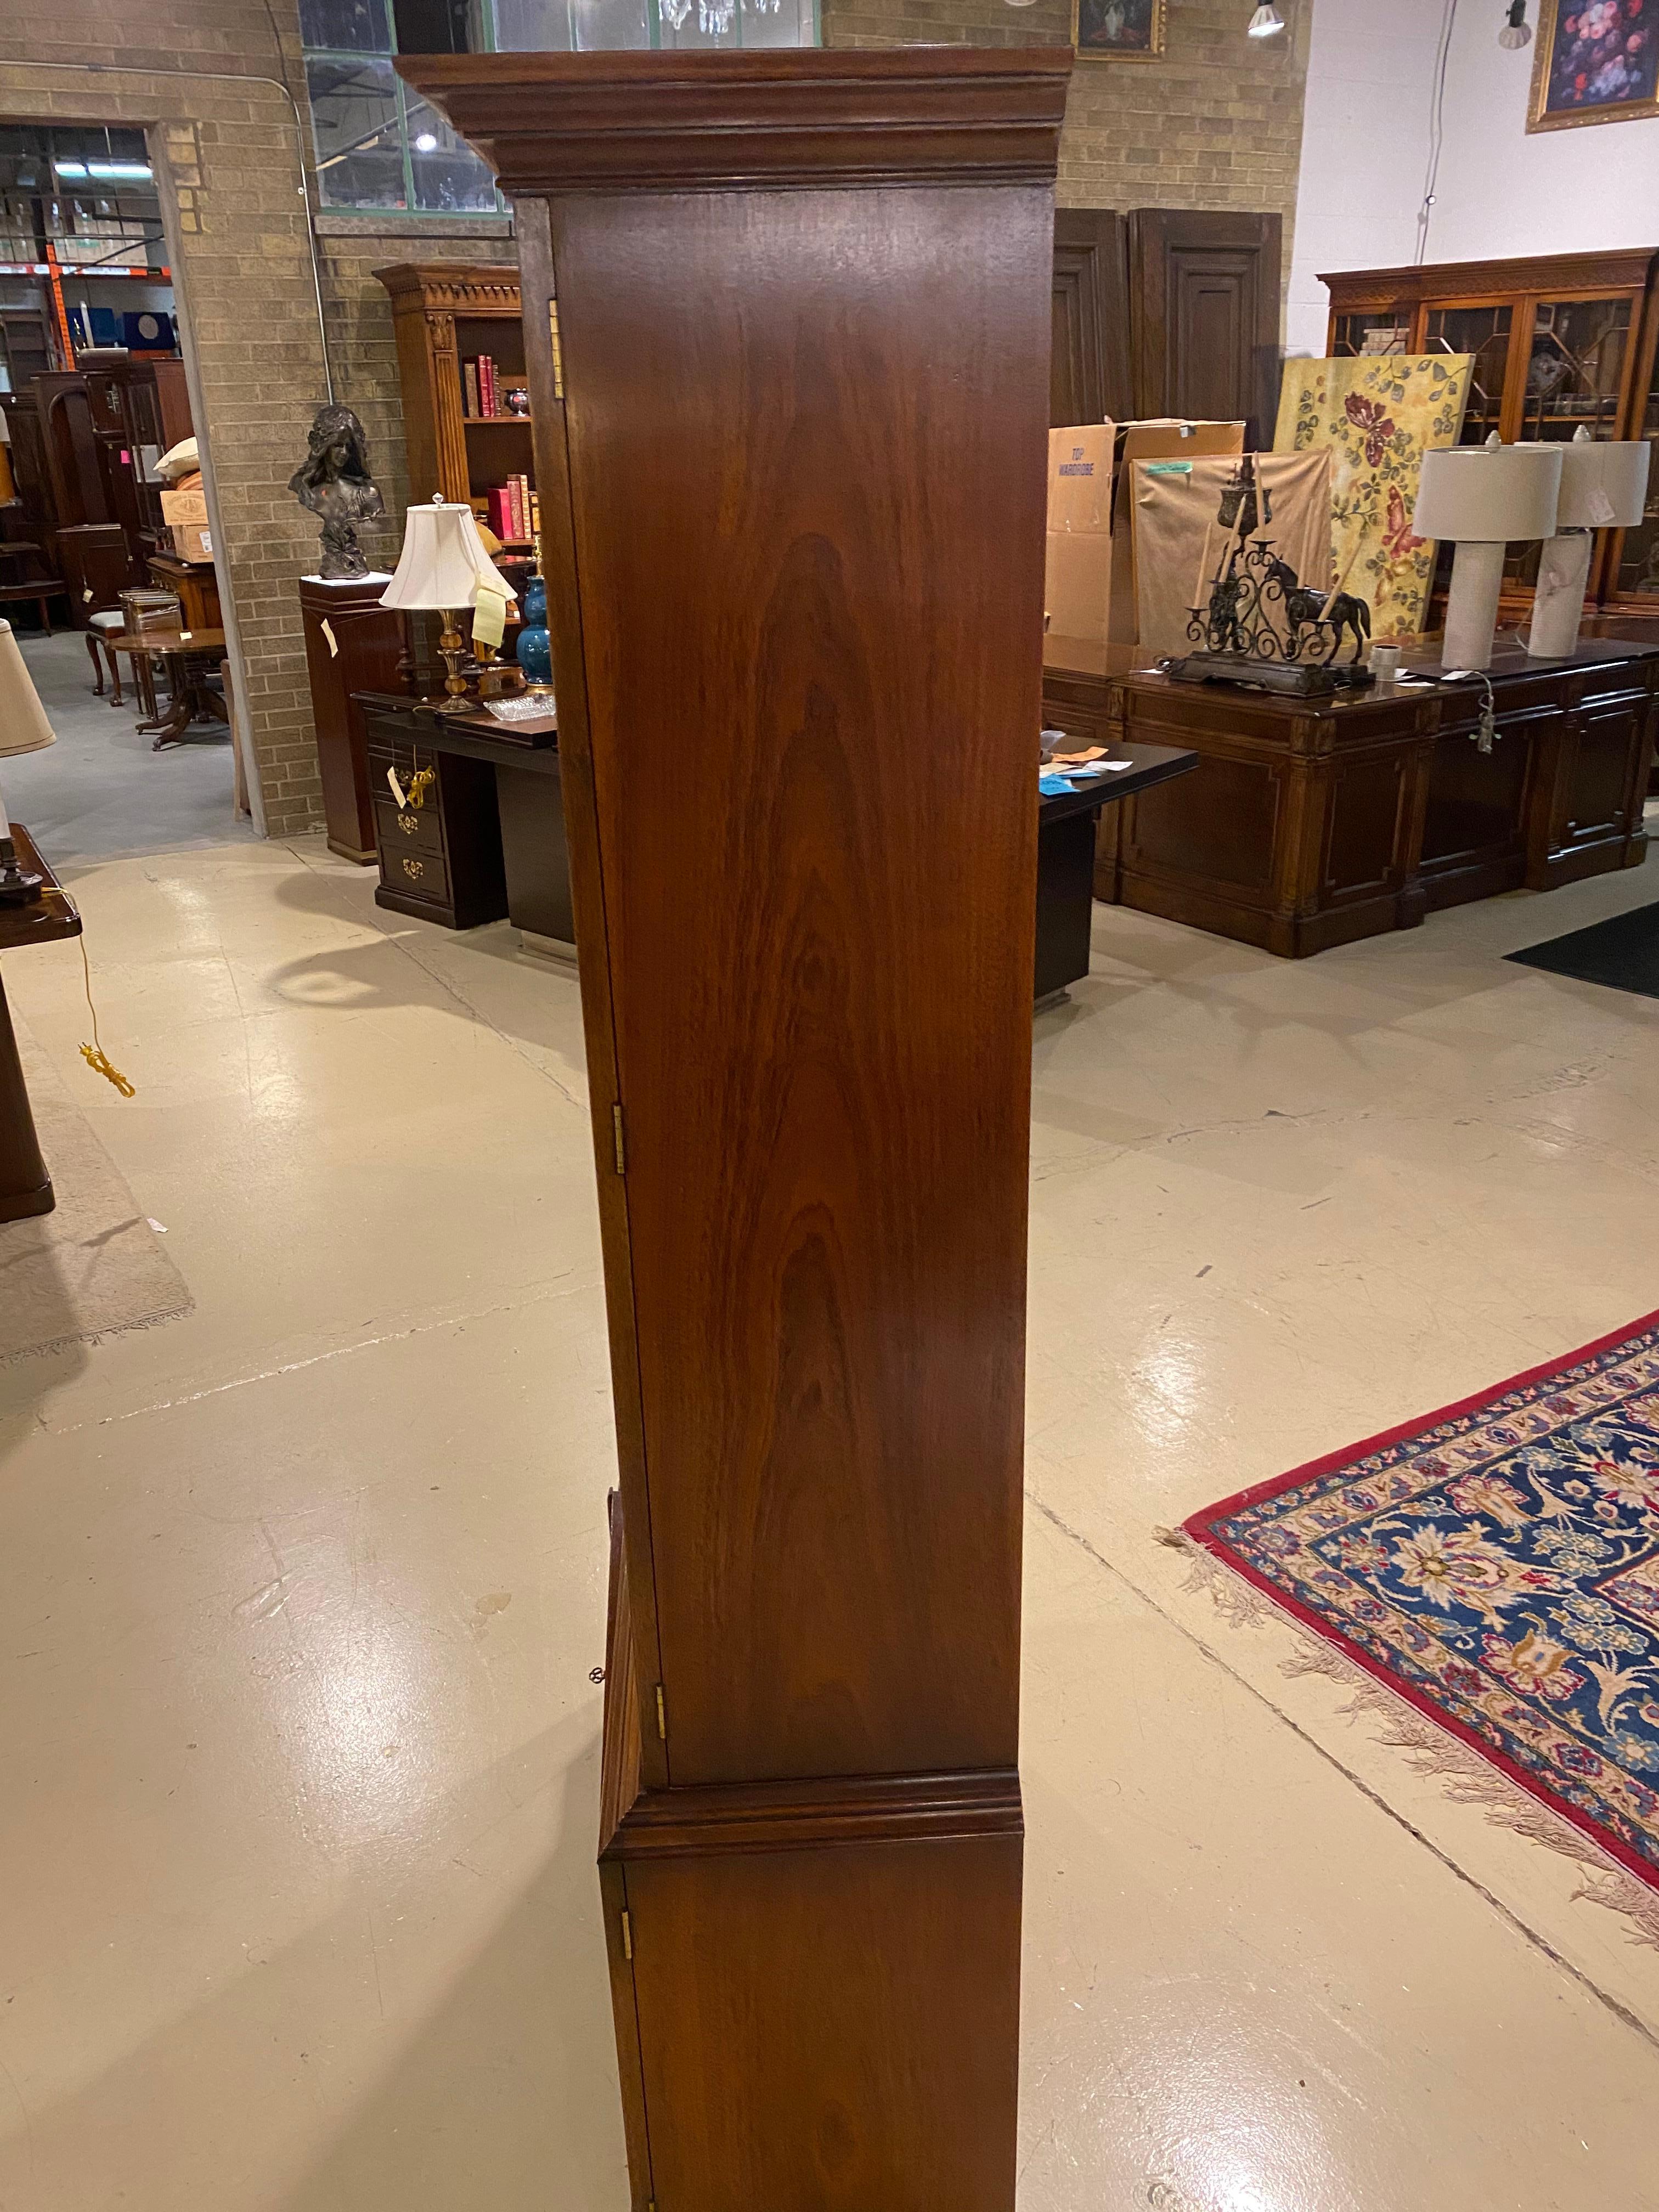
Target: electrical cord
(1437, 129)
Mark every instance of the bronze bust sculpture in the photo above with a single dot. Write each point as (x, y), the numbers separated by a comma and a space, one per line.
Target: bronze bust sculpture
(334, 482)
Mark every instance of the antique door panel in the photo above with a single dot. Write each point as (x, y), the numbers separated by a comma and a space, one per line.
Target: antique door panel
(782, 2096)
(832, 1451)
(1207, 289)
(1598, 796)
(1089, 378)
(1364, 828)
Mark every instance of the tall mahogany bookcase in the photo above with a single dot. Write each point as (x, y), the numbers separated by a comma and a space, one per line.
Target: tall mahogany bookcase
(791, 445)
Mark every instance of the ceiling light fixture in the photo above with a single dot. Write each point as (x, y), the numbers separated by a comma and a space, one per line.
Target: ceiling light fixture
(1517, 32)
(112, 172)
(1267, 22)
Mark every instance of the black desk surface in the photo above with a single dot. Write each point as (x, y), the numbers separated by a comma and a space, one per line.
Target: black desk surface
(470, 730)
(1149, 764)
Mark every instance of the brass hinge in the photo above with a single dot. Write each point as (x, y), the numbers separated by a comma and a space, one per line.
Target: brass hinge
(628, 1934)
(662, 1716)
(616, 1131)
(558, 351)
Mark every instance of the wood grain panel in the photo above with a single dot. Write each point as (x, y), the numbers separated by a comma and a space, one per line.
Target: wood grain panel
(1206, 287)
(1089, 364)
(818, 853)
(766, 2080)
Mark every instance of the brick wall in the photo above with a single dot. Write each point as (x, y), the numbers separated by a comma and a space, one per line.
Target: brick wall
(1215, 122)
(225, 154)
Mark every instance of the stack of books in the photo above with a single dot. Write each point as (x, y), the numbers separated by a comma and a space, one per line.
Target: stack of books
(514, 510)
(478, 393)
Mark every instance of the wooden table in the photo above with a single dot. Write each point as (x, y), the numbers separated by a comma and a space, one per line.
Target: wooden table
(1067, 837)
(193, 584)
(1311, 822)
(190, 656)
(25, 1184)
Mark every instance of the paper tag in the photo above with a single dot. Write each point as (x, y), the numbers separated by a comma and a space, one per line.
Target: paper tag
(207, 541)
(397, 789)
(489, 617)
(1168, 468)
(327, 627)
(1602, 508)
(185, 637)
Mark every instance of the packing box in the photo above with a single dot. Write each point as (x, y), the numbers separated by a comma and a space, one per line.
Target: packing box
(1165, 438)
(1077, 589)
(186, 504)
(192, 542)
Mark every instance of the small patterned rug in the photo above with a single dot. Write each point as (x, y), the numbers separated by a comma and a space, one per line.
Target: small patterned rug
(1497, 1565)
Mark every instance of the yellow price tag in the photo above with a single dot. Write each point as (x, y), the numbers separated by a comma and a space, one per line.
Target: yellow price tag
(489, 617)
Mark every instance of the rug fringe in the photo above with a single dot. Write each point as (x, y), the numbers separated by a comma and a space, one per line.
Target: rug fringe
(1466, 1777)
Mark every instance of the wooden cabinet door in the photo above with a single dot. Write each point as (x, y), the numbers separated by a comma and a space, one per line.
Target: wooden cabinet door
(1207, 289)
(1089, 376)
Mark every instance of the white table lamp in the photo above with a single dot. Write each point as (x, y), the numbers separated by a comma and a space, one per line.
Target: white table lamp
(1604, 486)
(1482, 499)
(442, 568)
(23, 729)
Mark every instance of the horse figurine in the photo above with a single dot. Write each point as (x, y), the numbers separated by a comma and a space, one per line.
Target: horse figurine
(1305, 608)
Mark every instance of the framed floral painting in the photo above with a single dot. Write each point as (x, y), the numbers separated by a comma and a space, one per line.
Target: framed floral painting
(1597, 62)
(1120, 30)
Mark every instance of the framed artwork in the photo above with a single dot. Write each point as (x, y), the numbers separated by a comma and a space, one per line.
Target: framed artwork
(1122, 30)
(1597, 62)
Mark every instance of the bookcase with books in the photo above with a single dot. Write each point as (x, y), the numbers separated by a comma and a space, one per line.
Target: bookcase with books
(466, 408)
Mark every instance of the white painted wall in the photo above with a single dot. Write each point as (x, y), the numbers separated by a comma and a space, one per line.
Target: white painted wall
(1501, 191)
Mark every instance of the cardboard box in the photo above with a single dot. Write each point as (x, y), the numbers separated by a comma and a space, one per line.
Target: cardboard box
(186, 505)
(1165, 439)
(1077, 589)
(192, 542)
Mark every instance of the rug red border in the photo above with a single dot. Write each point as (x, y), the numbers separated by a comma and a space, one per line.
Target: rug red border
(1201, 1528)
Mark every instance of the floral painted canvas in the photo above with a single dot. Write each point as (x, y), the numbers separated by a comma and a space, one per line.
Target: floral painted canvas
(1380, 416)
(1498, 1566)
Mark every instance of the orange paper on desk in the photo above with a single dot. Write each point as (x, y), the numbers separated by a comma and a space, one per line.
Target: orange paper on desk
(1078, 573)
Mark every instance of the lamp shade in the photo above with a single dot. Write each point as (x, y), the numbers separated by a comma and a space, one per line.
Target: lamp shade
(1604, 482)
(23, 725)
(443, 561)
(1488, 494)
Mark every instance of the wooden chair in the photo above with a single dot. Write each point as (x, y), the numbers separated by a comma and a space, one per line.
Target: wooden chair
(100, 630)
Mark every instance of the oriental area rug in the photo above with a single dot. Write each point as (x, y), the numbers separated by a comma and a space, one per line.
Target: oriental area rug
(1496, 1565)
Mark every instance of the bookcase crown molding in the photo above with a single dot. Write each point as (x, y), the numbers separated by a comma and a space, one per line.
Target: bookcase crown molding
(801, 117)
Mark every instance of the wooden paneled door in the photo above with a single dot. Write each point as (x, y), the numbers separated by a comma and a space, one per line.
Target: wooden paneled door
(1089, 361)
(1205, 288)
(795, 592)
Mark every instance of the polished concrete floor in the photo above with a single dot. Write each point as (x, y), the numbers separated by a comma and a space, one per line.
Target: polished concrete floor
(301, 1593)
(102, 790)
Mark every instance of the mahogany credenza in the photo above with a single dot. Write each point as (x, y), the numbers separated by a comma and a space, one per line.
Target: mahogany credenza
(795, 592)
(1311, 822)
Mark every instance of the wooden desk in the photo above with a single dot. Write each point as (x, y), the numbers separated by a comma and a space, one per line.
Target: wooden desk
(25, 1183)
(1312, 823)
(1067, 836)
(489, 840)
(191, 657)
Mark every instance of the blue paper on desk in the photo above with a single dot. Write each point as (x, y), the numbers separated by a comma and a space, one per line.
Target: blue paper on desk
(1052, 785)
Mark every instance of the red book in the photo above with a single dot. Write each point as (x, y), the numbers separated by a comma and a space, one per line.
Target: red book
(500, 519)
(487, 382)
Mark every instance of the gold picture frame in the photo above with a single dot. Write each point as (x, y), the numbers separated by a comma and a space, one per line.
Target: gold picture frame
(1092, 33)
(1612, 49)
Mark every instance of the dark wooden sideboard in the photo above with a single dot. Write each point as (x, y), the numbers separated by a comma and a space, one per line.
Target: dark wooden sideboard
(1311, 822)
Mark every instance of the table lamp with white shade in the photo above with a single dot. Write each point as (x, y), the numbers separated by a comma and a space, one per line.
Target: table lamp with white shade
(1604, 486)
(1482, 499)
(443, 569)
(23, 729)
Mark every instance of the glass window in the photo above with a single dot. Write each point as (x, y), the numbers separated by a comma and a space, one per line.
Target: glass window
(448, 176)
(357, 125)
(1484, 332)
(379, 146)
(345, 26)
(1575, 371)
